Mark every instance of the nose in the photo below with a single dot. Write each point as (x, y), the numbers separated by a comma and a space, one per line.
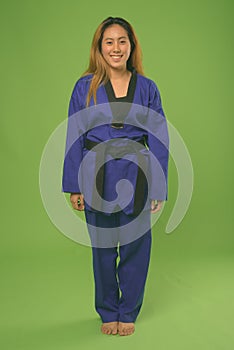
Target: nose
(116, 47)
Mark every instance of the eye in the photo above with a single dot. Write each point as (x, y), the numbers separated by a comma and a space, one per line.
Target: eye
(122, 41)
(109, 42)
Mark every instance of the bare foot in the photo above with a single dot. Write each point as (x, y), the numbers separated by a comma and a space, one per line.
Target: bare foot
(110, 328)
(126, 328)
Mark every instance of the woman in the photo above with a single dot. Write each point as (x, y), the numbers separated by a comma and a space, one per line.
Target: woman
(115, 77)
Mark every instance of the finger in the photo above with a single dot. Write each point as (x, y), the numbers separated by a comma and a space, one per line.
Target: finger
(156, 208)
(81, 207)
(153, 205)
(75, 205)
(80, 203)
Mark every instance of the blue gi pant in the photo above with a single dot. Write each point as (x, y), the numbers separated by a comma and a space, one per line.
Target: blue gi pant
(119, 287)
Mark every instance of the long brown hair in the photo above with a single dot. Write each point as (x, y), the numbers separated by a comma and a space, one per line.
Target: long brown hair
(98, 66)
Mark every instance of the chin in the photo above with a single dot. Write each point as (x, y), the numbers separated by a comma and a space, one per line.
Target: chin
(117, 66)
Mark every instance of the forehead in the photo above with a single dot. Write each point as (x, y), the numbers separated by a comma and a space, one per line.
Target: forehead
(115, 31)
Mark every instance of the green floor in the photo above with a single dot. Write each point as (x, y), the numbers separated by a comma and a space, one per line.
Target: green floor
(47, 300)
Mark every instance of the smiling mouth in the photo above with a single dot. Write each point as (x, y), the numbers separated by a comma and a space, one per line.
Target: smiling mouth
(116, 56)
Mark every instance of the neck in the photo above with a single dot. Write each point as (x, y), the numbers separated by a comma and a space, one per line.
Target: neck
(116, 74)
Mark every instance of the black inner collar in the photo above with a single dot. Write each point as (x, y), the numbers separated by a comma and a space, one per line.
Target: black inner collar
(130, 94)
(121, 111)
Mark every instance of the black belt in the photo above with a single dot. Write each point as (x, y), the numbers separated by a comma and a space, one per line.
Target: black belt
(118, 152)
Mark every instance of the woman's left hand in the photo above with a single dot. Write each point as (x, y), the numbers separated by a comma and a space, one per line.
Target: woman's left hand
(155, 207)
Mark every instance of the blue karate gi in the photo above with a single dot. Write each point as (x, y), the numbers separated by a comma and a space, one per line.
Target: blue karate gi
(98, 124)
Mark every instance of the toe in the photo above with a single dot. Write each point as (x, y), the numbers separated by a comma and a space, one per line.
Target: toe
(109, 328)
(126, 328)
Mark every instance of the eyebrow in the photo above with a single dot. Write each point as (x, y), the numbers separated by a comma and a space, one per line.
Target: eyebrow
(121, 37)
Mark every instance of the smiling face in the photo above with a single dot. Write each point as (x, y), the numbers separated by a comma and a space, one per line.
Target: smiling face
(116, 47)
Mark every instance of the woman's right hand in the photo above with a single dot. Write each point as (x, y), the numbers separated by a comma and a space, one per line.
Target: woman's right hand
(77, 201)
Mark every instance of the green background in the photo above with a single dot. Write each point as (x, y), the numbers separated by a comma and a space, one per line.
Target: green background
(46, 278)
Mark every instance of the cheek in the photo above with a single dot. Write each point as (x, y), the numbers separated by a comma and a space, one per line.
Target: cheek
(129, 51)
(105, 51)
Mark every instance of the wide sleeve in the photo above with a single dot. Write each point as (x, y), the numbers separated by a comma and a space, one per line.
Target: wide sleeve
(158, 143)
(74, 143)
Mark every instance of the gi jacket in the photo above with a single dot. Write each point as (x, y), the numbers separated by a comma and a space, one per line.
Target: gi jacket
(132, 120)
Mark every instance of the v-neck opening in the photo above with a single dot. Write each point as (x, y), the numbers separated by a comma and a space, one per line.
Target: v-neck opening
(130, 92)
